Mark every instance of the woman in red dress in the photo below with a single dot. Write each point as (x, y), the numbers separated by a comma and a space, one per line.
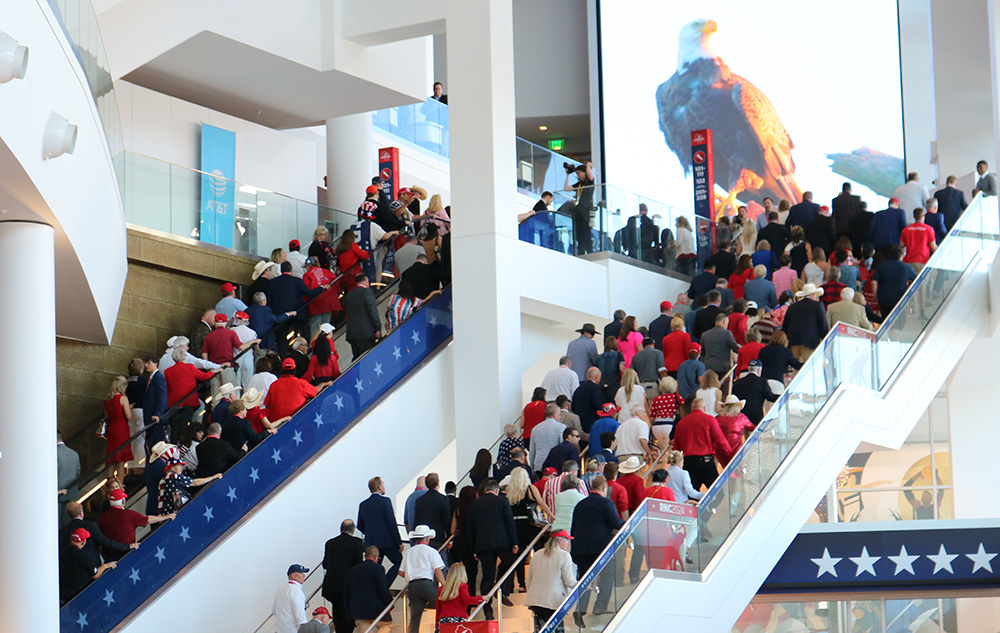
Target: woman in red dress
(118, 412)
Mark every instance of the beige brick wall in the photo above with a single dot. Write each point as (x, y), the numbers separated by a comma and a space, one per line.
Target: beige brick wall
(170, 284)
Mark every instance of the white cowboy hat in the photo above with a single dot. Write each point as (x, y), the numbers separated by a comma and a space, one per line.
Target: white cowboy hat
(252, 397)
(260, 267)
(808, 289)
(630, 465)
(171, 341)
(731, 399)
(422, 532)
(227, 389)
(159, 449)
(326, 328)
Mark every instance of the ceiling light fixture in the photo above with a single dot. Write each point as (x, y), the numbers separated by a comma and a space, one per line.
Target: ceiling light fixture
(13, 59)
(543, 127)
(60, 136)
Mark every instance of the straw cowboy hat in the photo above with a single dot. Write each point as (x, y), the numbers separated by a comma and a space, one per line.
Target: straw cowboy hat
(227, 389)
(731, 399)
(630, 465)
(252, 397)
(808, 289)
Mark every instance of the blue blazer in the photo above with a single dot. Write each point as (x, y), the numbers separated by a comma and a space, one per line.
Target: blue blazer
(802, 214)
(936, 222)
(288, 293)
(155, 403)
(951, 202)
(595, 521)
(377, 522)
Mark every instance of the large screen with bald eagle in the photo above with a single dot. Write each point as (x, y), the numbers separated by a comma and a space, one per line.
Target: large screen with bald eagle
(800, 96)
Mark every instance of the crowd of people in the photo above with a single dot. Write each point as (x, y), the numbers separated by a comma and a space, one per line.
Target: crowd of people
(181, 419)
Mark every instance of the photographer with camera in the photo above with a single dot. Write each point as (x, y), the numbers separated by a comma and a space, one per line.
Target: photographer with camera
(583, 203)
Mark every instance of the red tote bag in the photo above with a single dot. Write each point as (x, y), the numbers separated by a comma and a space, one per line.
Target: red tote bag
(479, 626)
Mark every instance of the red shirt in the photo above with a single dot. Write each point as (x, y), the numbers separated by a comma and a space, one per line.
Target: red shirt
(699, 434)
(255, 416)
(287, 395)
(665, 406)
(618, 494)
(329, 301)
(534, 413)
(119, 524)
(317, 369)
(221, 345)
(183, 378)
(917, 238)
(736, 281)
(738, 326)
(660, 491)
(456, 607)
(746, 354)
(675, 349)
(634, 487)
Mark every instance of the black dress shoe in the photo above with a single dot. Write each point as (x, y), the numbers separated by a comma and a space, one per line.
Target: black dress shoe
(578, 620)
(506, 601)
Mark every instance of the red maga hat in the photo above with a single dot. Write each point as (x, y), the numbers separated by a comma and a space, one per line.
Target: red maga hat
(609, 409)
(79, 535)
(221, 318)
(227, 288)
(288, 363)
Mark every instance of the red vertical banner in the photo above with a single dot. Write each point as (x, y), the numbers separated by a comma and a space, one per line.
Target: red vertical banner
(388, 171)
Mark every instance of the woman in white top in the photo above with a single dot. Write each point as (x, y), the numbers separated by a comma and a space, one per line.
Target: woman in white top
(630, 395)
(747, 242)
(710, 392)
(685, 252)
(679, 479)
(815, 271)
(551, 576)
(262, 378)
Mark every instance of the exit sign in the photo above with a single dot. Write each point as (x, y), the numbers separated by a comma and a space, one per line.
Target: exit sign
(556, 144)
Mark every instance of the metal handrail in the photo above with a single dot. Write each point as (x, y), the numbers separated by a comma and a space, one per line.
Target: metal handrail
(510, 570)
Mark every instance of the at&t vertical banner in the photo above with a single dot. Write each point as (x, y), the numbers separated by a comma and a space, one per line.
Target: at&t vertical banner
(218, 198)
(704, 188)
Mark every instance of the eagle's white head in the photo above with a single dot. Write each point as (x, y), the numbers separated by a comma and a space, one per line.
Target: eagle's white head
(694, 43)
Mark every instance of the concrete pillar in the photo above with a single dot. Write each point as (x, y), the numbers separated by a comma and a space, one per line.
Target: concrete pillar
(350, 165)
(487, 311)
(29, 578)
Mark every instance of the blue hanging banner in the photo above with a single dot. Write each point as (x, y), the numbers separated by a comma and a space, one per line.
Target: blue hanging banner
(218, 195)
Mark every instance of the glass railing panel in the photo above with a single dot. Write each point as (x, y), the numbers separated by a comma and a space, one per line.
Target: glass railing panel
(185, 201)
(423, 124)
(148, 193)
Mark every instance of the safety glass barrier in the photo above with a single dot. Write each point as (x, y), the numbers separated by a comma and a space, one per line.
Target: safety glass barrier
(847, 355)
(423, 124)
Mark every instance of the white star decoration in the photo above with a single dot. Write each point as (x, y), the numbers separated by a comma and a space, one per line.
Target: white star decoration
(396, 352)
(827, 564)
(981, 559)
(82, 620)
(903, 561)
(109, 597)
(208, 513)
(942, 560)
(378, 369)
(276, 456)
(297, 438)
(254, 475)
(416, 337)
(319, 417)
(358, 386)
(433, 321)
(134, 576)
(865, 563)
(339, 401)
(184, 534)
(160, 555)
(231, 494)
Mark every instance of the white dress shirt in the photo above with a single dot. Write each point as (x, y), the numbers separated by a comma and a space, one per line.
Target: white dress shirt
(628, 436)
(289, 608)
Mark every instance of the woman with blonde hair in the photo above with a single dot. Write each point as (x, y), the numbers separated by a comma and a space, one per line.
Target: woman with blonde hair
(550, 578)
(279, 255)
(525, 503)
(453, 598)
(630, 395)
(679, 479)
(663, 410)
(435, 215)
(118, 411)
(815, 271)
(320, 248)
(735, 426)
(746, 244)
(675, 346)
(710, 392)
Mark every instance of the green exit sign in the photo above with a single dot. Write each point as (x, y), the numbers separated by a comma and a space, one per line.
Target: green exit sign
(556, 144)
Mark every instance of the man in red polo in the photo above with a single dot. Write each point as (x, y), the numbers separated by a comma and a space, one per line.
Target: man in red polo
(287, 394)
(220, 347)
(119, 524)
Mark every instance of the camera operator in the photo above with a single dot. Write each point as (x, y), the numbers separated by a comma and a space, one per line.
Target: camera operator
(583, 203)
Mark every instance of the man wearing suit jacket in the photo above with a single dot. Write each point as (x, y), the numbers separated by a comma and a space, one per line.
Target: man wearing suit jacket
(844, 207)
(595, 521)
(433, 509)
(361, 315)
(754, 390)
(68, 470)
(377, 521)
(97, 539)
(494, 538)
(846, 311)
(154, 403)
(951, 200)
(342, 553)
(215, 455)
(803, 213)
(366, 593)
(805, 322)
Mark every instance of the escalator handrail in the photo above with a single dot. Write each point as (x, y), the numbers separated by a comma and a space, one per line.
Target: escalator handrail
(510, 569)
(95, 471)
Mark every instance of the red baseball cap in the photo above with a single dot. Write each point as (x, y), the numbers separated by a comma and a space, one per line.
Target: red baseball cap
(242, 315)
(79, 535)
(403, 191)
(666, 305)
(893, 200)
(561, 534)
(550, 471)
(294, 244)
(321, 611)
(221, 318)
(288, 363)
(117, 495)
(695, 348)
(824, 208)
(227, 288)
(609, 409)
(371, 189)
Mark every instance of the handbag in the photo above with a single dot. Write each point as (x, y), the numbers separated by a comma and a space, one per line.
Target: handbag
(535, 516)
(478, 626)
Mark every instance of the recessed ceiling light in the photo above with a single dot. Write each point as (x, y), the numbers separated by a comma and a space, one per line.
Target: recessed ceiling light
(543, 127)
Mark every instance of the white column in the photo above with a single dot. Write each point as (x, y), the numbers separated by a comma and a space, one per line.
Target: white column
(29, 578)
(487, 310)
(349, 163)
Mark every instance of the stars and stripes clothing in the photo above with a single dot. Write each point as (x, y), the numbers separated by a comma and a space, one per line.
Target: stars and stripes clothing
(400, 309)
(174, 492)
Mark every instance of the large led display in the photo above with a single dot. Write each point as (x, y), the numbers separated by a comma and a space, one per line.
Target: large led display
(800, 96)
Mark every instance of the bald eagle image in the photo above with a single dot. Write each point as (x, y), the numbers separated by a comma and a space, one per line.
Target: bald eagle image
(752, 149)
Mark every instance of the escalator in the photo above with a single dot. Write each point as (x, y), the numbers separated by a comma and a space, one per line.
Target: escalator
(705, 563)
(332, 444)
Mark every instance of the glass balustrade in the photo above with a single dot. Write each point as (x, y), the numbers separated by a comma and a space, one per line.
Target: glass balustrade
(423, 124)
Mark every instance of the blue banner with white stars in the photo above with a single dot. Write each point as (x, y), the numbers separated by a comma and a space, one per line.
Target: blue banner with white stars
(928, 555)
(176, 544)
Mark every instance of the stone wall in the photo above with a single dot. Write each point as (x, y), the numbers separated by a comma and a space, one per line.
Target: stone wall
(170, 283)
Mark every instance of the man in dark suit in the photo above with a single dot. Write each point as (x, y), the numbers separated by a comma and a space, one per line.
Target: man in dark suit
(494, 538)
(366, 593)
(215, 455)
(97, 539)
(614, 328)
(342, 553)
(434, 510)
(805, 322)
(660, 326)
(588, 399)
(820, 232)
(705, 319)
(155, 403)
(288, 293)
(703, 282)
(639, 236)
(361, 315)
(423, 278)
(518, 459)
(776, 234)
(723, 261)
(377, 521)
(951, 201)
(858, 227)
(754, 390)
(844, 207)
(886, 226)
(595, 521)
(802, 214)
(567, 450)
(725, 293)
